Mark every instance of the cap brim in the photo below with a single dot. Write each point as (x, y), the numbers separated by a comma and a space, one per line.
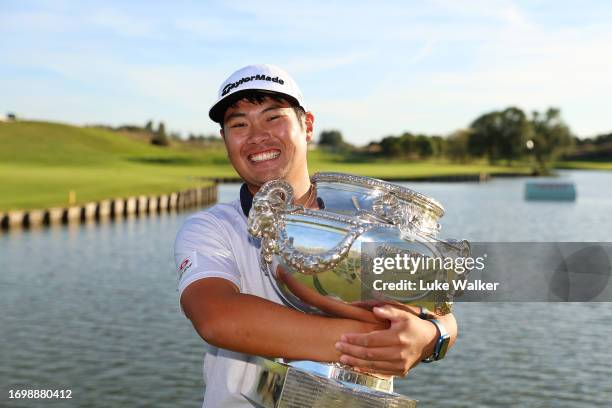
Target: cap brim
(217, 112)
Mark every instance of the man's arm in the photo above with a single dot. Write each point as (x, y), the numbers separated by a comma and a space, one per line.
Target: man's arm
(226, 318)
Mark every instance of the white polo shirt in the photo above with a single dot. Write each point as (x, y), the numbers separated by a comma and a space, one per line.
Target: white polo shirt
(215, 243)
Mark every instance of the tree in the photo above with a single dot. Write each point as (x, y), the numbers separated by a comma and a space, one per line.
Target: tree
(551, 137)
(149, 126)
(499, 135)
(457, 146)
(424, 146)
(439, 145)
(331, 138)
(391, 146)
(160, 138)
(407, 143)
(486, 129)
(515, 131)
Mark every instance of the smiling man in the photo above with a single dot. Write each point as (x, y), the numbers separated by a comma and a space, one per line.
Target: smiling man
(230, 303)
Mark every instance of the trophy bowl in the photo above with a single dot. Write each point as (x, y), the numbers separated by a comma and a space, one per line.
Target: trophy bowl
(378, 200)
(329, 252)
(321, 260)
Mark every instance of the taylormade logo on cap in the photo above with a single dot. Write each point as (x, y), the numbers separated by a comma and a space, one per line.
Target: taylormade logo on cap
(262, 77)
(241, 81)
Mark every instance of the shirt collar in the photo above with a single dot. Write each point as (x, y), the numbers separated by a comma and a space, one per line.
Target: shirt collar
(246, 199)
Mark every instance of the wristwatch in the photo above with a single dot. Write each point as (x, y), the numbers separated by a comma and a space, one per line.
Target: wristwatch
(441, 344)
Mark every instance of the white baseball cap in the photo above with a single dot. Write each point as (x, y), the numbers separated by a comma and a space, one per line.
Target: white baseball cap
(262, 77)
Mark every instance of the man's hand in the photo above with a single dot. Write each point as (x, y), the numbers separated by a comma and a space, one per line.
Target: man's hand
(396, 350)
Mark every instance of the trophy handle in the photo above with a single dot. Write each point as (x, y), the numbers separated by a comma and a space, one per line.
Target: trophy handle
(269, 203)
(266, 222)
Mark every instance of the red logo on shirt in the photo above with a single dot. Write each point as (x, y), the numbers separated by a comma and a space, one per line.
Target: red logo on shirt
(185, 265)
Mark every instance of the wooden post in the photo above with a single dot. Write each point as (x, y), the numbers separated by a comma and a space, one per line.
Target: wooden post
(33, 218)
(130, 205)
(153, 204)
(117, 207)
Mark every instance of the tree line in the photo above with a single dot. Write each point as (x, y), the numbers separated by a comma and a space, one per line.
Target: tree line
(159, 136)
(508, 135)
(501, 136)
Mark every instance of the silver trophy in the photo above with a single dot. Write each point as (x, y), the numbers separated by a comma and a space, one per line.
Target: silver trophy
(320, 261)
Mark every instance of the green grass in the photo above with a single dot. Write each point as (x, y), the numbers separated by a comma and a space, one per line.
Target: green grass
(36, 186)
(42, 143)
(41, 162)
(395, 169)
(584, 165)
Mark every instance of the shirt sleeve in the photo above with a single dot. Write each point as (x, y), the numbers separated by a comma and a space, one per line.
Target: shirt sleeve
(203, 250)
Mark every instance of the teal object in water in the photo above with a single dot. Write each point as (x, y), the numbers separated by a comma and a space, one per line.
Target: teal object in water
(553, 191)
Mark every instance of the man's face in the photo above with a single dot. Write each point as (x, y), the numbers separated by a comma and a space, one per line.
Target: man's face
(266, 141)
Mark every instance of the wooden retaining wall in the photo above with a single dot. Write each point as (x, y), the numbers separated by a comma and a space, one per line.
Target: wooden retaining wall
(109, 209)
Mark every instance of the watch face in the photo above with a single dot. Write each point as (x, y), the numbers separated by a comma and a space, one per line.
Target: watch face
(444, 346)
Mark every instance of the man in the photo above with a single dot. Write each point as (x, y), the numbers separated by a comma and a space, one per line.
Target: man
(232, 306)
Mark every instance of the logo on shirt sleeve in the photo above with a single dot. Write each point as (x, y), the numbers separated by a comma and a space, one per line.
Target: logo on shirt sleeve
(187, 263)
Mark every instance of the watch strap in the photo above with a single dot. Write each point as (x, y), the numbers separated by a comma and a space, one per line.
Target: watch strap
(441, 343)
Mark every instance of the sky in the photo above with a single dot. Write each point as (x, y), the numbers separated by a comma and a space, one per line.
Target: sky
(368, 69)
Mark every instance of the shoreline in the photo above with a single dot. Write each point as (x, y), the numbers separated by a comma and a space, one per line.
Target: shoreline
(119, 208)
(110, 209)
(458, 178)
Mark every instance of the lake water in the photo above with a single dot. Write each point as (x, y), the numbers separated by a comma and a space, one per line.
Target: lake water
(94, 309)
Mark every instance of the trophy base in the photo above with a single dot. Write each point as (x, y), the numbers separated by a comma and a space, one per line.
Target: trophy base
(319, 385)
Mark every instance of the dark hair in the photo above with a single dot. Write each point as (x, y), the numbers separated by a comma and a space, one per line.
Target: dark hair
(258, 97)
